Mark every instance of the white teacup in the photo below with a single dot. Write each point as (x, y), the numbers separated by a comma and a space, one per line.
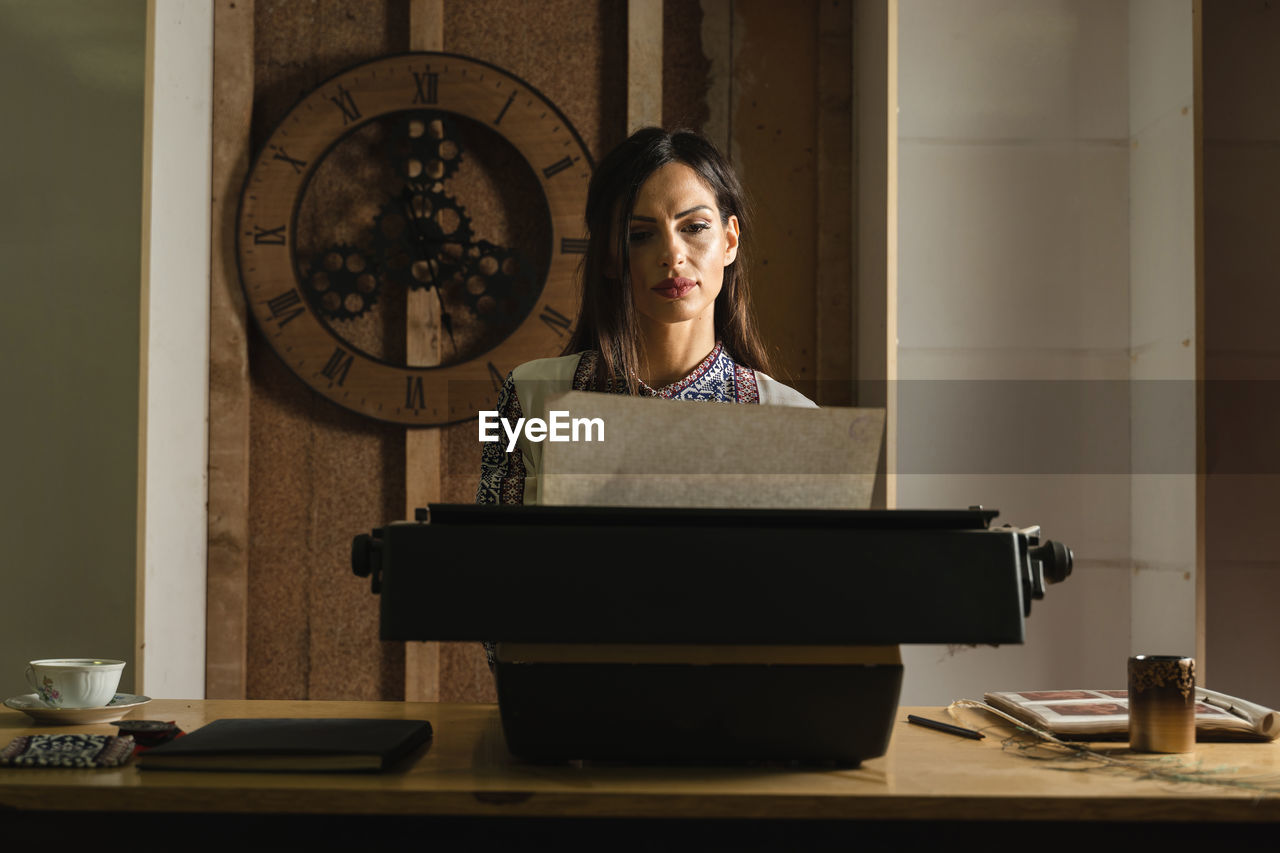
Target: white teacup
(75, 682)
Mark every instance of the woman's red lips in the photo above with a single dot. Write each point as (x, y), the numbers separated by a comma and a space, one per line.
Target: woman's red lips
(674, 288)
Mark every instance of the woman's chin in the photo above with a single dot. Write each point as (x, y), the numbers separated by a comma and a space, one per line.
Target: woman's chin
(677, 312)
(697, 304)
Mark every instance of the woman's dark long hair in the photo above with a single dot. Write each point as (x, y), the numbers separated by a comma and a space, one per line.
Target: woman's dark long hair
(607, 317)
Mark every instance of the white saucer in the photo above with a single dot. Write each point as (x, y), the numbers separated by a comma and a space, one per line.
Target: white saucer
(31, 705)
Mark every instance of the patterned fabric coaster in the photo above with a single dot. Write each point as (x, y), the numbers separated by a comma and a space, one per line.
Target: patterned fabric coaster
(67, 751)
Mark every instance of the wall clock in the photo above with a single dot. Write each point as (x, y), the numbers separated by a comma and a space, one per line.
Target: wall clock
(420, 173)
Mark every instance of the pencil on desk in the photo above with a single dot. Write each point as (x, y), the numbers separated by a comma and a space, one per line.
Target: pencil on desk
(944, 727)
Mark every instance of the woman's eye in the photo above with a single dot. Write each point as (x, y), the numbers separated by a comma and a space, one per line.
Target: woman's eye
(697, 227)
(639, 236)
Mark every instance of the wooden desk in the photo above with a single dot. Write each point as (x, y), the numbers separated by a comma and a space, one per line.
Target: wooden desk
(926, 776)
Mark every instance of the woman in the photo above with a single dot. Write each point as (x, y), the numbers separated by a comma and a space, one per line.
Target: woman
(665, 308)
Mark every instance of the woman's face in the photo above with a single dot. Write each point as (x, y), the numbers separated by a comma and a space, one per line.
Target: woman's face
(679, 248)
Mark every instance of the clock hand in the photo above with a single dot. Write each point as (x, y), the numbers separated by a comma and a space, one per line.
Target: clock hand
(446, 320)
(418, 241)
(428, 253)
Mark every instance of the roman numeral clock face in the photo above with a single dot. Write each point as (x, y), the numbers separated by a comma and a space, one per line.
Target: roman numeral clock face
(411, 231)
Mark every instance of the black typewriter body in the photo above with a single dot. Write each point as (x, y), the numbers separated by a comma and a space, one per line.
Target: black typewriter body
(703, 635)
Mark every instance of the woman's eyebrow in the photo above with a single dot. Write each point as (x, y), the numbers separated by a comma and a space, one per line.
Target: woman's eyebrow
(683, 213)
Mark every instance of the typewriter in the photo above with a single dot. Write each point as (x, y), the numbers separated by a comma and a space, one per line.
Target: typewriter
(703, 635)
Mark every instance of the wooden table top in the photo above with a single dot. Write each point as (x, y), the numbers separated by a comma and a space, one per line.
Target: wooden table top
(926, 775)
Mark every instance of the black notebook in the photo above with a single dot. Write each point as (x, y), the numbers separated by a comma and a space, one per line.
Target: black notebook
(290, 745)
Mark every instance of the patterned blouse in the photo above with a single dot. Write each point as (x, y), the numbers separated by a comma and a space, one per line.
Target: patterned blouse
(717, 379)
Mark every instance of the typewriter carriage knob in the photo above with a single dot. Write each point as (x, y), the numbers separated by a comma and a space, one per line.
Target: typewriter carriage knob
(1056, 559)
(366, 558)
(1045, 563)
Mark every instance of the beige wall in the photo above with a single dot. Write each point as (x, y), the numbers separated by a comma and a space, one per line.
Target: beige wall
(72, 177)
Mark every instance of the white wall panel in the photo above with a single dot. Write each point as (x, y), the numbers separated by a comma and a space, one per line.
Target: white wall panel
(1013, 246)
(1027, 69)
(1162, 293)
(174, 529)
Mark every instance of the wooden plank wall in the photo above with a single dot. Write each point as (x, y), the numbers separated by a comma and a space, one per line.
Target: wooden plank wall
(228, 560)
(287, 618)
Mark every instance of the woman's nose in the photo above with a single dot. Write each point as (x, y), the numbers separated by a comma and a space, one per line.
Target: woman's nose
(672, 251)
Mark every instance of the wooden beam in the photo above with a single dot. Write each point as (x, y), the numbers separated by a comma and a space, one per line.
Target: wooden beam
(426, 24)
(834, 288)
(227, 579)
(875, 27)
(423, 456)
(775, 118)
(644, 63)
(1202, 466)
(717, 46)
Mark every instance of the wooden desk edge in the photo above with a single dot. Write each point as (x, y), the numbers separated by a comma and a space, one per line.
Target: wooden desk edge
(528, 804)
(459, 789)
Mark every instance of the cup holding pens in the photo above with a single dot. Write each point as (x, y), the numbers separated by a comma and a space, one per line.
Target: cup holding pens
(1162, 703)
